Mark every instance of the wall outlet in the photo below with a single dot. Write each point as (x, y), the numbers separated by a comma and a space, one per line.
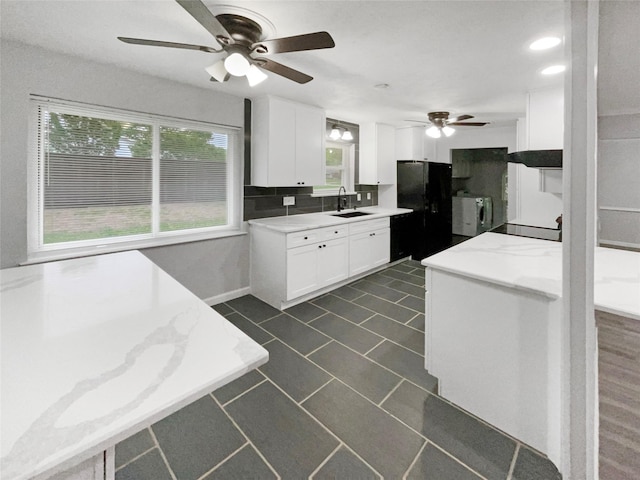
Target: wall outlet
(358, 197)
(368, 195)
(286, 201)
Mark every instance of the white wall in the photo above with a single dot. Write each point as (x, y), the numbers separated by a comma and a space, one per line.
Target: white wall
(618, 179)
(209, 268)
(439, 150)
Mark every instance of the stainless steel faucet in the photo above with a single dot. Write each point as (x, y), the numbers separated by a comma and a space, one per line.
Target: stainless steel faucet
(340, 206)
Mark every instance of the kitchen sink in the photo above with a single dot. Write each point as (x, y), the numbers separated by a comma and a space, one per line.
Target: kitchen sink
(350, 214)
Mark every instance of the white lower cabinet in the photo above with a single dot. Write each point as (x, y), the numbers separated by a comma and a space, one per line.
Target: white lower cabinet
(287, 266)
(369, 245)
(315, 266)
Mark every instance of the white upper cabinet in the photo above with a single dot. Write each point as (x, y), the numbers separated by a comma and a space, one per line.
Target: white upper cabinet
(545, 119)
(410, 143)
(287, 144)
(377, 154)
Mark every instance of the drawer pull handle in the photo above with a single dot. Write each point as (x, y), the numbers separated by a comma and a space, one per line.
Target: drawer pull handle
(335, 231)
(306, 238)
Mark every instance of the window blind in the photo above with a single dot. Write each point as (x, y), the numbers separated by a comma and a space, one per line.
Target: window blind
(110, 176)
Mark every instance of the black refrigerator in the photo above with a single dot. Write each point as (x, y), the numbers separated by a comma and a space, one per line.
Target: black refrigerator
(425, 187)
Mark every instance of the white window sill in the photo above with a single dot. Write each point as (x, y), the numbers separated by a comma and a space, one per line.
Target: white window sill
(64, 254)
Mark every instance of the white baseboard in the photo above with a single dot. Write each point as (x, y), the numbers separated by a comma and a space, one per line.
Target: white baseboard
(223, 297)
(614, 243)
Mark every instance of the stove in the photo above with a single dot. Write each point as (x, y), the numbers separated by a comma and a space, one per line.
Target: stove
(530, 231)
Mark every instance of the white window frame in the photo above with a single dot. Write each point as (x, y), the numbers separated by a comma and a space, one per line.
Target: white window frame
(348, 169)
(37, 251)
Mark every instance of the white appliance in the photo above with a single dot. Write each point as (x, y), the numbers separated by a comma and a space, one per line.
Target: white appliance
(471, 215)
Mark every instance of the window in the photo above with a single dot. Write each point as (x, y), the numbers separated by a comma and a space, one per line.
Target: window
(338, 168)
(104, 177)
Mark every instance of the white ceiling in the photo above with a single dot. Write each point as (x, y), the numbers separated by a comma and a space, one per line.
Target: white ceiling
(461, 56)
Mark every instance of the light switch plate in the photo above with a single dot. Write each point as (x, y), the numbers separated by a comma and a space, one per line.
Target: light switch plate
(368, 195)
(286, 201)
(358, 197)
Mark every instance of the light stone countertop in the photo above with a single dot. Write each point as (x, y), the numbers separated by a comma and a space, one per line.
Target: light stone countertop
(535, 265)
(308, 221)
(97, 348)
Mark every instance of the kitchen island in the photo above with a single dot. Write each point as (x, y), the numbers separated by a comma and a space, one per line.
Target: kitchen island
(493, 328)
(94, 350)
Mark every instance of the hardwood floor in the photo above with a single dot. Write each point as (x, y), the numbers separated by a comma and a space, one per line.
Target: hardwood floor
(619, 387)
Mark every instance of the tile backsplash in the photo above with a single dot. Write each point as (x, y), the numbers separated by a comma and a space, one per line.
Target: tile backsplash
(260, 202)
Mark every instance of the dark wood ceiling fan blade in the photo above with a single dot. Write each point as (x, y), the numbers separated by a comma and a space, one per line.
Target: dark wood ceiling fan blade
(283, 70)
(459, 118)
(204, 17)
(297, 43)
(468, 124)
(159, 43)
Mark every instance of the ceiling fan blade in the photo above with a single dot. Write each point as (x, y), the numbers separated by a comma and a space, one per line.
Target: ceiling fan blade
(468, 124)
(459, 118)
(283, 70)
(297, 43)
(204, 17)
(158, 43)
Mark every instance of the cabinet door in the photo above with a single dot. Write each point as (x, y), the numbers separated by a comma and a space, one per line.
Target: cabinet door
(379, 248)
(309, 151)
(386, 154)
(359, 254)
(282, 146)
(377, 154)
(302, 270)
(333, 261)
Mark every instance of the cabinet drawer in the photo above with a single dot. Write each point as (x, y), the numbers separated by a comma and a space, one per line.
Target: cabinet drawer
(333, 232)
(303, 238)
(368, 225)
(308, 237)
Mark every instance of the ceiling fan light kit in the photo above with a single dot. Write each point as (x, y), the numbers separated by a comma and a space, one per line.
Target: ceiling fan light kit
(439, 123)
(240, 38)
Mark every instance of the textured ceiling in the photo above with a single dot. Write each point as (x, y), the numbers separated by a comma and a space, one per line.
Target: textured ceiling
(460, 56)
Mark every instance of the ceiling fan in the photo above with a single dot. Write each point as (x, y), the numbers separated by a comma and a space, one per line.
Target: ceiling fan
(241, 38)
(441, 123)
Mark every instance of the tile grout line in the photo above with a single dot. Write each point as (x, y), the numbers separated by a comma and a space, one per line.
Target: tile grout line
(329, 431)
(164, 457)
(324, 462)
(457, 460)
(374, 347)
(224, 460)
(368, 330)
(135, 458)
(243, 393)
(317, 389)
(415, 459)
(349, 348)
(513, 461)
(235, 424)
(391, 392)
(358, 353)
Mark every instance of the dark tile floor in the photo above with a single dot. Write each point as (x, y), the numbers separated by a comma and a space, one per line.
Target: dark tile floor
(344, 396)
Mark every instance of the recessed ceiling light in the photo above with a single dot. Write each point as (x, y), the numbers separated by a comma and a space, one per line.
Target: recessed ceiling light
(553, 70)
(544, 43)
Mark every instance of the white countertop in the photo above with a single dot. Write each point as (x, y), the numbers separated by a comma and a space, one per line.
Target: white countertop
(535, 265)
(307, 221)
(95, 349)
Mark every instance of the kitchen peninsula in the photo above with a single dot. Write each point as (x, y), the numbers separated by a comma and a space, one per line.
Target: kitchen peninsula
(493, 328)
(95, 349)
